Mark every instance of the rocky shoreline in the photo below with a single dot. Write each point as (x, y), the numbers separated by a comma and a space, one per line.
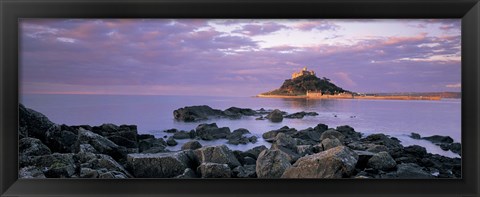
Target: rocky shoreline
(49, 150)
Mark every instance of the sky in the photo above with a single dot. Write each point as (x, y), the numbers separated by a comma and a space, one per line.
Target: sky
(236, 57)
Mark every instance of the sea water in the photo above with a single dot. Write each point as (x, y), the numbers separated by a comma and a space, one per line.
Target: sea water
(154, 114)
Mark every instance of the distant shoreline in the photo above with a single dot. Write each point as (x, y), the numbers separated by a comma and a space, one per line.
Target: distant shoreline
(355, 97)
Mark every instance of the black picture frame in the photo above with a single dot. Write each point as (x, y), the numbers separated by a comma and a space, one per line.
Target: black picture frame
(11, 11)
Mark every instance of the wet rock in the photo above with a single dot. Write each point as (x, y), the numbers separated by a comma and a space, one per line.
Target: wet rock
(439, 139)
(337, 162)
(196, 113)
(217, 154)
(416, 151)
(272, 164)
(171, 131)
(381, 161)
(454, 147)
(193, 145)
(275, 116)
(273, 133)
(211, 131)
(181, 135)
(171, 142)
(415, 136)
(300, 115)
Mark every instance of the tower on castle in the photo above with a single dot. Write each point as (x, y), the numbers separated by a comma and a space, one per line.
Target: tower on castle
(303, 72)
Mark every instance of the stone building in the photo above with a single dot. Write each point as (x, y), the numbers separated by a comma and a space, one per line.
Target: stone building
(303, 72)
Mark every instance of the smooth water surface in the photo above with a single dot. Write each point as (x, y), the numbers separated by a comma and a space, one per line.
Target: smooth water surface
(153, 114)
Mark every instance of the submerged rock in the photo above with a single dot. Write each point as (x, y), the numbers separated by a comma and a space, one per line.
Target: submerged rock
(300, 115)
(275, 116)
(439, 139)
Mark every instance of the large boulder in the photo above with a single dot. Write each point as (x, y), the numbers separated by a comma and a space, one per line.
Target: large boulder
(286, 144)
(56, 165)
(382, 161)
(273, 133)
(160, 165)
(211, 131)
(331, 133)
(416, 151)
(236, 137)
(101, 144)
(275, 116)
(32, 123)
(235, 112)
(196, 113)
(395, 149)
(93, 165)
(272, 164)
(217, 154)
(32, 147)
(337, 162)
(310, 134)
(255, 151)
(214, 170)
(349, 133)
(152, 145)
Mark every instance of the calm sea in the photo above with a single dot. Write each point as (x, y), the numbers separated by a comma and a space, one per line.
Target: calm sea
(153, 114)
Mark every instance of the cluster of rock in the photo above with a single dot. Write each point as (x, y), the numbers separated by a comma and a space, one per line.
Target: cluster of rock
(204, 112)
(212, 132)
(48, 150)
(445, 142)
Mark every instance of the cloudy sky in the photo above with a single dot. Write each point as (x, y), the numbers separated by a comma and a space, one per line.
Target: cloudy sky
(235, 57)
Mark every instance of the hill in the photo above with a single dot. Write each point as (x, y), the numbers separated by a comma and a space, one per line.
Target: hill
(301, 84)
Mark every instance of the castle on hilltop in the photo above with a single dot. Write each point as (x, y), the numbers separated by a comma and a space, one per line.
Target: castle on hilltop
(303, 72)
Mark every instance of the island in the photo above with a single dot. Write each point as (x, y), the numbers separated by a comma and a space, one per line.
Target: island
(305, 84)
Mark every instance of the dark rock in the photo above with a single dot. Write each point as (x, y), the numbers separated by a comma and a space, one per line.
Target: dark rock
(275, 116)
(253, 139)
(150, 144)
(235, 112)
(193, 145)
(214, 170)
(211, 131)
(416, 151)
(160, 165)
(272, 164)
(88, 173)
(254, 152)
(454, 147)
(286, 144)
(217, 154)
(171, 142)
(300, 115)
(101, 162)
(122, 141)
(196, 113)
(303, 150)
(439, 139)
(363, 157)
(87, 148)
(309, 134)
(415, 136)
(33, 124)
(247, 171)
(61, 141)
(181, 135)
(56, 165)
(376, 148)
(381, 161)
(171, 131)
(395, 149)
(273, 133)
(409, 171)
(32, 147)
(31, 172)
(187, 174)
(145, 136)
(338, 162)
(331, 133)
(349, 133)
(101, 144)
(249, 161)
(236, 137)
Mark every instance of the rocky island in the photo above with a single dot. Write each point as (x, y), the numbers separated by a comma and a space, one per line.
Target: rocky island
(305, 84)
(49, 150)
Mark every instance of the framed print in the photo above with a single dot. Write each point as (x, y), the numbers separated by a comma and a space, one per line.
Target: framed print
(314, 98)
